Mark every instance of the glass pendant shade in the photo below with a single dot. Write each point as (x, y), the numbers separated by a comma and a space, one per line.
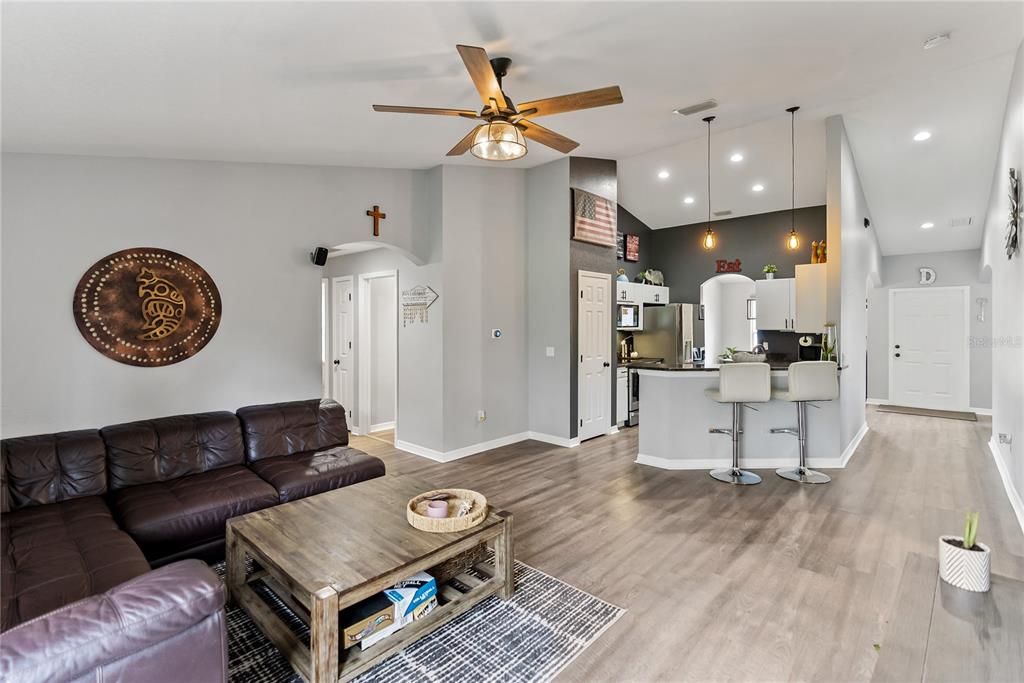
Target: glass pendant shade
(498, 141)
(709, 239)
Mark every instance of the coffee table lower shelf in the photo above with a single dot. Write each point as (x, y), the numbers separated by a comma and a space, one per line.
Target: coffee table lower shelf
(323, 661)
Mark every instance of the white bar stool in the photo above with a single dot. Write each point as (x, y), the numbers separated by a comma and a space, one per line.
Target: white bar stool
(813, 380)
(739, 383)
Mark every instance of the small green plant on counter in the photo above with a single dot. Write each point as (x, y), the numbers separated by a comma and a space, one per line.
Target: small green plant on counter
(727, 354)
(970, 530)
(770, 268)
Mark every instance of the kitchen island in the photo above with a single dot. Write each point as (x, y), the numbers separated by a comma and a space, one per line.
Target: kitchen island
(676, 416)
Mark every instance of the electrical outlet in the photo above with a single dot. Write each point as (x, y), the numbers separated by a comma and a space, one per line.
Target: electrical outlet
(481, 415)
(1005, 438)
(550, 352)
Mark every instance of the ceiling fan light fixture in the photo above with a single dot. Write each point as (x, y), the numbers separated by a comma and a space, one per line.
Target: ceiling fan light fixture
(498, 141)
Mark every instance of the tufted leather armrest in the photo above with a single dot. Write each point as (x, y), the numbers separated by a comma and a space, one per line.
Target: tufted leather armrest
(167, 624)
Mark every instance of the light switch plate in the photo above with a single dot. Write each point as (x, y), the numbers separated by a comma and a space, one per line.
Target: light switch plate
(550, 352)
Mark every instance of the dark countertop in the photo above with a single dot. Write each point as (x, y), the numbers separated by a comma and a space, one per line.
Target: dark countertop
(694, 367)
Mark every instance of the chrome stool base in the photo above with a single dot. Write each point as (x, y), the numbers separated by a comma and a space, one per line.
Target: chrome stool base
(736, 476)
(803, 475)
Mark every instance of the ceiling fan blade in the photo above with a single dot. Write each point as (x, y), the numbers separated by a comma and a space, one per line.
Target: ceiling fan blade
(547, 137)
(478, 64)
(465, 143)
(587, 99)
(425, 110)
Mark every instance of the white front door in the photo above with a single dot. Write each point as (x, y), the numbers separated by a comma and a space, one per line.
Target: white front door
(928, 348)
(595, 350)
(343, 390)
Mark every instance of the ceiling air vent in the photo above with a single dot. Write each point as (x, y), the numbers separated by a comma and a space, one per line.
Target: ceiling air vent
(963, 222)
(696, 108)
(727, 212)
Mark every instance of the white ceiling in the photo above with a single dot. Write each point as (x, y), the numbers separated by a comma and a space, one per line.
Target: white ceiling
(293, 83)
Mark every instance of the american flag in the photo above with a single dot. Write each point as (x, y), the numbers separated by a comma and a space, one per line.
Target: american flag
(594, 219)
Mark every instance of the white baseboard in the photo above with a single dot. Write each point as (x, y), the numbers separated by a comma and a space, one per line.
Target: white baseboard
(851, 447)
(750, 464)
(614, 429)
(981, 411)
(382, 426)
(356, 430)
(464, 452)
(877, 401)
(1004, 472)
(554, 440)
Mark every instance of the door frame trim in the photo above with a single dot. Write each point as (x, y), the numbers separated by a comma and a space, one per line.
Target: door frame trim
(611, 350)
(336, 340)
(365, 344)
(965, 389)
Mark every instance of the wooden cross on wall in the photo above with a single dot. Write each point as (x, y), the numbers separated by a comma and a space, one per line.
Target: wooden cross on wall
(377, 216)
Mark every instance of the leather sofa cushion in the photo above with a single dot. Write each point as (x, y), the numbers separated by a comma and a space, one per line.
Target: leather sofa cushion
(296, 427)
(170, 447)
(170, 516)
(306, 474)
(59, 553)
(50, 468)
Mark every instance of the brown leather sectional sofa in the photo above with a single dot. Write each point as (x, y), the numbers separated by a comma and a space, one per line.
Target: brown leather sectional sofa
(86, 514)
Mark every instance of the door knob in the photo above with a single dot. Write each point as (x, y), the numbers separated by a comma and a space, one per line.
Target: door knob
(897, 355)
(337, 362)
(606, 364)
(897, 346)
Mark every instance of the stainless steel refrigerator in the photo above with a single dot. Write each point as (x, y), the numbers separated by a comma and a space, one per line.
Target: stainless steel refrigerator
(667, 333)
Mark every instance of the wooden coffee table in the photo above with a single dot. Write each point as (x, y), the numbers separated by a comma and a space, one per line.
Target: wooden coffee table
(324, 553)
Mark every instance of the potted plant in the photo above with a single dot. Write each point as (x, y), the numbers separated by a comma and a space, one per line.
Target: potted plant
(963, 562)
(727, 355)
(769, 271)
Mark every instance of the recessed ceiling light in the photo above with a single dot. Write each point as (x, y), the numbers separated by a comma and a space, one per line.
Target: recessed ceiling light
(921, 136)
(663, 174)
(687, 200)
(736, 157)
(927, 225)
(758, 187)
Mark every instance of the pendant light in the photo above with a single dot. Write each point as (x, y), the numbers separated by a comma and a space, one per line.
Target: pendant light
(709, 236)
(793, 241)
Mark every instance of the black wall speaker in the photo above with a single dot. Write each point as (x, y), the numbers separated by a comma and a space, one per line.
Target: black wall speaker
(318, 256)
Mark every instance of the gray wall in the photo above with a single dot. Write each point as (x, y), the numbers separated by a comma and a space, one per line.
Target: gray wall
(952, 268)
(755, 240)
(597, 176)
(484, 218)
(547, 287)
(1007, 277)
(251, 226)
(854, 265)
(383, 356)
(628, 224)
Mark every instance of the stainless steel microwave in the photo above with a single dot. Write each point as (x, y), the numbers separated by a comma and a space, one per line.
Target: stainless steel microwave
(629, 317)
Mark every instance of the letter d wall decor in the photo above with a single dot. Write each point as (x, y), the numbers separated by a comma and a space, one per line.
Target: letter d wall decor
(147, 307)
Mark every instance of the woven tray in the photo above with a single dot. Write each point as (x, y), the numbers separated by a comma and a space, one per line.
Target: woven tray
(416, 511)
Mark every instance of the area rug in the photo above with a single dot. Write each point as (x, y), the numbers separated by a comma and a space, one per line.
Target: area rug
(927, 412)
(527, 639)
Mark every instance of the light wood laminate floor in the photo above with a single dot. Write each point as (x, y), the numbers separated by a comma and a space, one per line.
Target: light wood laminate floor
(773, 582)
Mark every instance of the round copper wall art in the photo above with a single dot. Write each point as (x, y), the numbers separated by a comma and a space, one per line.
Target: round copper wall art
(147, 307)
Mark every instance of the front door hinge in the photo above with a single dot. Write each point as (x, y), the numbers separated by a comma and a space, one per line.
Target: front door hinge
(350, 345)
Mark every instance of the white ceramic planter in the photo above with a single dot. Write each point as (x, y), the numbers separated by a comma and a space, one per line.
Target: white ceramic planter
(769, 276)
(967, 569)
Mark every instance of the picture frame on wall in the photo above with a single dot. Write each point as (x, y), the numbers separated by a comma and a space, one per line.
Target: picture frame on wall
(620, 246)
(632, 248)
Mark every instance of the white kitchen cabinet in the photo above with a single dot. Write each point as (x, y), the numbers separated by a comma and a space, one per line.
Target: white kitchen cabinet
(637, 293)
(810, 298)
(627, 292)
(775, 304)
(652, 294)
(621, 395)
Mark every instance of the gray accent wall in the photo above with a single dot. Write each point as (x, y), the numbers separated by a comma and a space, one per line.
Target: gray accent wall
(755, 240)
(952, 268)
(631, 225)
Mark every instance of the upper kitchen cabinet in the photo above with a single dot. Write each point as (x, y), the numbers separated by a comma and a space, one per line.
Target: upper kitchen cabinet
(793, 304)
(637, 293)
(775, 304)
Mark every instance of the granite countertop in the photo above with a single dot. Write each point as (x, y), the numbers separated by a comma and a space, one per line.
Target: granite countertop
(695, 367)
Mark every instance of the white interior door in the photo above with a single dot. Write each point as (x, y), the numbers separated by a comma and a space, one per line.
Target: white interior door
(928, 349)
(595, 350)
(343, 390)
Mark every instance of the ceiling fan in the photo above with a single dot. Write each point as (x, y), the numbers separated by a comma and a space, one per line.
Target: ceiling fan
(501, 138)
